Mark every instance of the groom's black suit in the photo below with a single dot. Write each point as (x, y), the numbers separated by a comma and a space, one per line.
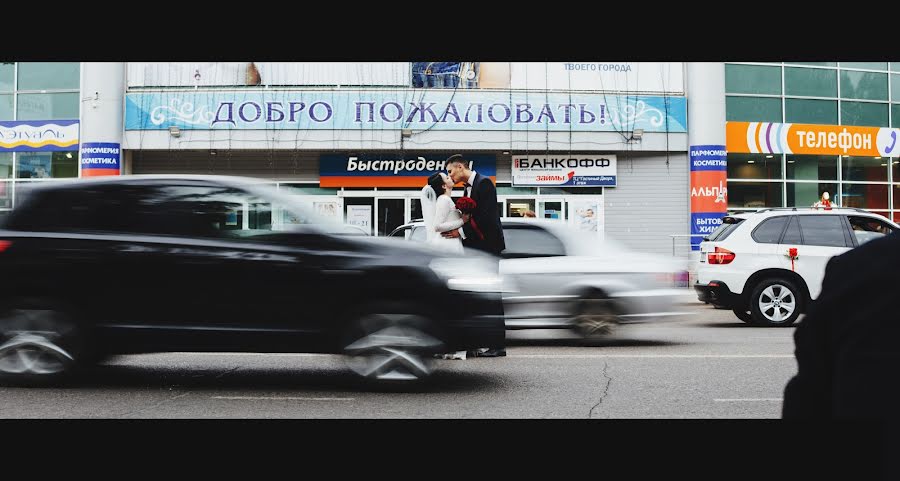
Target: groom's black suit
(486, 218)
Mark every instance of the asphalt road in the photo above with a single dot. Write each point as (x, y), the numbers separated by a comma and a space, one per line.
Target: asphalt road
(707, 365)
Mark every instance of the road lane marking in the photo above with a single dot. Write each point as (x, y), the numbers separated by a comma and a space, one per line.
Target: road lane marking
(773, 399)
(282, 398)
(535, 356)
(655, 356)
(275, 354)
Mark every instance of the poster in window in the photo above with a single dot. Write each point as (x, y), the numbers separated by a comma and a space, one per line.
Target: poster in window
(329, 210)
(586, 214)
(35, 166)
(360, 215)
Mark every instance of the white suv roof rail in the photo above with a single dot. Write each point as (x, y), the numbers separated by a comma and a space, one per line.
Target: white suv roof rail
(796, 209)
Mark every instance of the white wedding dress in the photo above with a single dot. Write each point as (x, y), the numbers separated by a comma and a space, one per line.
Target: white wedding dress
(446, 218)
(441, 216)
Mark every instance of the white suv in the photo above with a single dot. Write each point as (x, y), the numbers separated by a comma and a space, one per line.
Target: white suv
(768, 265)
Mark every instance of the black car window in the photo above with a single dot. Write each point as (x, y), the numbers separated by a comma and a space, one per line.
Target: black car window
(769, 231)
(868, 228)
(792, 234)
(202, 211)
(728, 225)
(531, 242)
(822, 230)
(83, 208)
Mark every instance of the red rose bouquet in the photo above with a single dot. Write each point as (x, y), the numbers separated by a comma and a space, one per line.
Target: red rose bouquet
(466, 206)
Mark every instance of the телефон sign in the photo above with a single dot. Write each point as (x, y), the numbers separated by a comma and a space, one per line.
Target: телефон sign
(811, 139)
(564, 171)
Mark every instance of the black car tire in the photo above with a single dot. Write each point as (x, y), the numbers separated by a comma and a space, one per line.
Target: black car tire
(784, 301)
(595, 316)
(40, 343)
(744, 315)
(390, 348)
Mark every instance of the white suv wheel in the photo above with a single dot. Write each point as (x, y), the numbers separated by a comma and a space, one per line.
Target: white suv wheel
(776, 302)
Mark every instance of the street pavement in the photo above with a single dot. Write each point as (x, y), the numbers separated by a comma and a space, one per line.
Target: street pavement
(706, 365)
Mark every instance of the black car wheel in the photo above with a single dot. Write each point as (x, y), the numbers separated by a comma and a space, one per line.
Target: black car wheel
(776, 302)
(40, 344)
(595, 317)
(391, 348)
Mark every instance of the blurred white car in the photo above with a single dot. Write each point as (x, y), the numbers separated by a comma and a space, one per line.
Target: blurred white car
(574, 280)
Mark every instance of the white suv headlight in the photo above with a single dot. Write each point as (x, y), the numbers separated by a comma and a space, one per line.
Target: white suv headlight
(474, 275)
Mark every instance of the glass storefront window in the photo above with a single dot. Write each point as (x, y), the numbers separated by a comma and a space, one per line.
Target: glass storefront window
(754, 166)
(864, 85)
(865, 65)
(810, 82)
(518, 207)
(823, 64)
(49, 75)
(754, 194)
(805, 194)
(895, 66)
(752, 79)
(864, 113)
(864, 169)
(6, 187)
(7, 72)
(865, 196)
(360, 216)
(753, 109)
(47, 165)
(807, 111)
(415, 209)
(895, 166)
(6, 165)
(47, 106)
(6, 107)
(895, 87)
(390, 215)
(895, 115)
(811, 167)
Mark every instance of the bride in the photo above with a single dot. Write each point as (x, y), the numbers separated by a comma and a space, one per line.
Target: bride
(440, 214)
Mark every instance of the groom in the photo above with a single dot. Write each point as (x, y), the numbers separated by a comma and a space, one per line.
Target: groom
(487, 233)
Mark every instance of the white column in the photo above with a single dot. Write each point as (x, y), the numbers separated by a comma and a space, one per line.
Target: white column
(706, 103)
(706, 138)
(102, 112)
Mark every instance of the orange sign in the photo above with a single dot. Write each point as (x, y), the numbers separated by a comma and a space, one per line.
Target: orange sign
(811, 139)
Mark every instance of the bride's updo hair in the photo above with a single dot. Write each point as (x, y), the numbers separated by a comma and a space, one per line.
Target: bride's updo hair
(437, 183)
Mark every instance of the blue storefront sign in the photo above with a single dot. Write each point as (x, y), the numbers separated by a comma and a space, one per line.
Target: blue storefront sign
(100, 158)
(405, 109)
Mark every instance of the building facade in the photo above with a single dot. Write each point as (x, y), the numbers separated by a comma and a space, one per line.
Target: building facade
(846, 113)
(649, 153)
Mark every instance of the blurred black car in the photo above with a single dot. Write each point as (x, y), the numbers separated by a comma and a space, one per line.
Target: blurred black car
(139, 264)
